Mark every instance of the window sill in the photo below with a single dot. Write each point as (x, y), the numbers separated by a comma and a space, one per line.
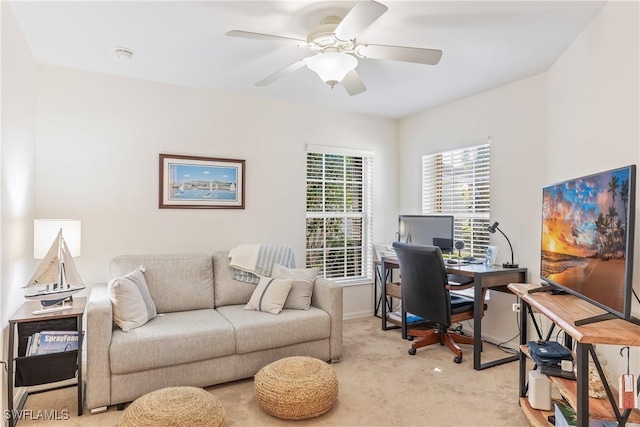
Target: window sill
(354, 282)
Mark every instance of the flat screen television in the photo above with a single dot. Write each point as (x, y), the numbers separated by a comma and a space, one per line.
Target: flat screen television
(431, 230)
(587, 239)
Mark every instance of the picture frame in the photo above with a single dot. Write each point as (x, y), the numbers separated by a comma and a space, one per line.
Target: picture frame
(194, 182)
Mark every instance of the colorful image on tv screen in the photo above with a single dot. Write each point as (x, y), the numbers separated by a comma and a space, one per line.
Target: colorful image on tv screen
(584, 236)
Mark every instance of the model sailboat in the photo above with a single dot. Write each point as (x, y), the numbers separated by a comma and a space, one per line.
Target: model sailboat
(56, 278)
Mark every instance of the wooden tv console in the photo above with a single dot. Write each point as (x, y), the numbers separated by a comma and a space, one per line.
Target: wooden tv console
(563, 311)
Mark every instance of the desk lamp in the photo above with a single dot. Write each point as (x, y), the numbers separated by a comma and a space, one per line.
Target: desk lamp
(492, 229)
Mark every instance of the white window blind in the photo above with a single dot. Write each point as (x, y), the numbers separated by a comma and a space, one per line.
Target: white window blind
(339, 204)
(457, 183)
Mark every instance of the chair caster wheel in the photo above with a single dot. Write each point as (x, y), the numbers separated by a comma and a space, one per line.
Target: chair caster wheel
(457, 359)
(409, 337)
(412, 351)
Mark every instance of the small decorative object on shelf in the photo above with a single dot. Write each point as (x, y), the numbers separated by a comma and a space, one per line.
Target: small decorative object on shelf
(492, 255)
(56, 278)
(596, 388)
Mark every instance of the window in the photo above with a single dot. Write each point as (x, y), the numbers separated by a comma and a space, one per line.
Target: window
(339, 205)
(457, 183)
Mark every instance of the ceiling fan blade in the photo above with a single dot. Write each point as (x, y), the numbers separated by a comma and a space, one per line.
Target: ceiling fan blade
(281, 73)
(400, 53)
(269, 37)
(353, 83)
(363, 14)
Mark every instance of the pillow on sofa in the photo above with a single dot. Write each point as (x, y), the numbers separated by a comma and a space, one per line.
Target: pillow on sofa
(302, 287)
(270, 295)
(131, 300)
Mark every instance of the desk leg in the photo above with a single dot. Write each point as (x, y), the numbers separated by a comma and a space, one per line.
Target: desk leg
(582, 379)
(383, 295)
(404, 321)
(378, 279)
(478, 302)
(477, 323)
(375, 289)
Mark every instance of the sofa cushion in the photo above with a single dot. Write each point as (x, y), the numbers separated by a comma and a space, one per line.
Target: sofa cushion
(227, 290)
(131, 301)
(282, 272)
(256, 330)
(269, 295)
(302, 287)
(172, 339)
(177, 282)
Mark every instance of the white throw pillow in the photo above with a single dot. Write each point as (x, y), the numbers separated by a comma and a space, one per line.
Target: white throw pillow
(270, 295)
(302, 287)
(131, 300)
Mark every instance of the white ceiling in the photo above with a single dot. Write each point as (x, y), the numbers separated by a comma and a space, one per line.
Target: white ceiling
(485, 44)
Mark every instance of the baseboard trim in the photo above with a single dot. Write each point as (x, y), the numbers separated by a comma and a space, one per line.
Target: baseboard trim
(358, 315)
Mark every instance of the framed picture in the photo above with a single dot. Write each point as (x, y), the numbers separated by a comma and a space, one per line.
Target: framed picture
(191, 182)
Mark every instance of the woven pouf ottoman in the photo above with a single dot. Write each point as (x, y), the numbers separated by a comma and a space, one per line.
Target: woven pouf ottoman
(174, 406)
(296, 388)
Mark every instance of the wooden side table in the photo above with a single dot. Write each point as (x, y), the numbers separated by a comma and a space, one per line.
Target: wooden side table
(60, 366)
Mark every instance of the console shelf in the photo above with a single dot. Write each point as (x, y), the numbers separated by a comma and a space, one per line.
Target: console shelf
(24, 371)
(598, 408)
(563, 311)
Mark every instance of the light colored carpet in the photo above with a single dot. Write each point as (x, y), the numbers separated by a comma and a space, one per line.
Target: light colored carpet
(379, 385)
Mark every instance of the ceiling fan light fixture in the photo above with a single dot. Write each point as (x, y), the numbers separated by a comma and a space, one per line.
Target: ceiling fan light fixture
(332, 67)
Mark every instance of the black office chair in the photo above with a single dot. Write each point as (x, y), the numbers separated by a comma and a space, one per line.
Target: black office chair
(425, 293)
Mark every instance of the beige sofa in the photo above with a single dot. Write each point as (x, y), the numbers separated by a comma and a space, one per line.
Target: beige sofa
(203, 335)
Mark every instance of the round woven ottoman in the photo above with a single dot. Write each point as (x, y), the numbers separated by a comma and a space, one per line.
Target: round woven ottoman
(174, 406)
(296, 388)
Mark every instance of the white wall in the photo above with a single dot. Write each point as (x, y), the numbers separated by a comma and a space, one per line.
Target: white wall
(594, 110)
(17, 186)
(580, 117)
(98, 140)
(514, 117)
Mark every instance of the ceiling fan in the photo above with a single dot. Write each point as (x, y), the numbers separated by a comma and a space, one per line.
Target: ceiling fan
(336, 51)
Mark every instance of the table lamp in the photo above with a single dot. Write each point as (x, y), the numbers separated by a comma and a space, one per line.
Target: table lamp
(492, 229)
(56, 242)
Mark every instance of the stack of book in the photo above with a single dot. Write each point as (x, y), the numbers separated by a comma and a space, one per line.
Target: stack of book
(47, 342)
(411, 318)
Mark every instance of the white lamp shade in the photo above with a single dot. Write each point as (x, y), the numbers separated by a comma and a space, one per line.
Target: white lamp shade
(45, 232)
(332, 67)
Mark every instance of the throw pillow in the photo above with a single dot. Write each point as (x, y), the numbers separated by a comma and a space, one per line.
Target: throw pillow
(302, 287)
(131, 300)
(270, 295)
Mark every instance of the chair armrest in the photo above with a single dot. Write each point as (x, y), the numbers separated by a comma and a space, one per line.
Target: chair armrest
(327, 296)
(98, 339)
(458, 287)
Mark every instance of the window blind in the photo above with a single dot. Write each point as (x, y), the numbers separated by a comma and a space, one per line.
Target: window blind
(339, 204)
(456, 183)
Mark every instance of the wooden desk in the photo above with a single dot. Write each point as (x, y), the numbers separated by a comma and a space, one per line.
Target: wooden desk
(563, 311)
(494, 277)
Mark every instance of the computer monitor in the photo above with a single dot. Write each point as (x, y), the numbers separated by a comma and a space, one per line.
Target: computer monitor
(432, 230)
